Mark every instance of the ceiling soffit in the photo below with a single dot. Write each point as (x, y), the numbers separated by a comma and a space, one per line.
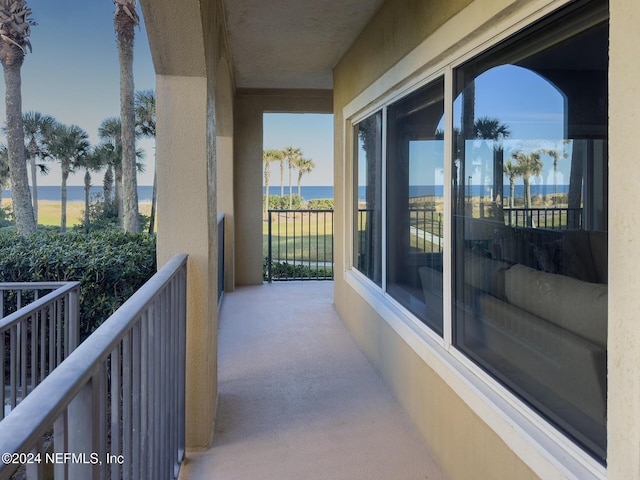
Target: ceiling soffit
(292, 43)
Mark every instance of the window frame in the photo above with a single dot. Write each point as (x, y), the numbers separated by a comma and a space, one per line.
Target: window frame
(533, 438)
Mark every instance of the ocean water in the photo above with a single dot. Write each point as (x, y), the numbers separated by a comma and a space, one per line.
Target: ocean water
(307, 193)
(75, 193)
(476, 190)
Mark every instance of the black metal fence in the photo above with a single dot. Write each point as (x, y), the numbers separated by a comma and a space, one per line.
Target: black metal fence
(366, 257)
(425, 228)
(556, 218)
(299, 245)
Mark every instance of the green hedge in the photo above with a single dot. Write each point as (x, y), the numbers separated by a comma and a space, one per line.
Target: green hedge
(320, 204)
(289, 271)
(110, 266)
(282, 203)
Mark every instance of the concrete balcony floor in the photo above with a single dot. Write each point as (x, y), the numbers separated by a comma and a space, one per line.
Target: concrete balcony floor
(298, 400)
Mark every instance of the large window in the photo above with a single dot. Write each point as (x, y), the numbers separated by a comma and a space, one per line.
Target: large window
(415, 202)
(368, 192)
(530, 219)
(528, 231)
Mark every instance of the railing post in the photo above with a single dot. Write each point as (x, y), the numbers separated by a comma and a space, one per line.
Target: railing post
(60, 444)
(269, 252)
(73, 324)
(332, 245)
(81, 431)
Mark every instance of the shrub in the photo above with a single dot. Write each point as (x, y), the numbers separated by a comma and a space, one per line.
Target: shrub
(109, 264)
(104, 215)
(284, 270)
(6, 216)
(320, 204)
(282, 203)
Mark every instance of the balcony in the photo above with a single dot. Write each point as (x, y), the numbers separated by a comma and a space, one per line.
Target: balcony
(115, 406)
(297, 399)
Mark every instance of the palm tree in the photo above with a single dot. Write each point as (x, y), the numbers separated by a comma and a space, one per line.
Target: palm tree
(269, 156)
(110, 131)
(15, 27)
(125, 21)
(145, 108)
(36, 128)
(69, 145)
(555, 155)
(282, 160)
(305, 165)
(528, 165)
(93, 161)
(292, 156)
(107, 184)
(488, 128)
(512, 172)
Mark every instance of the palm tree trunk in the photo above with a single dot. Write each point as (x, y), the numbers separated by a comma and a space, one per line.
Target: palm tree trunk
(282, 179)
(34, 189)
(299, 183)
(63, 196)
(498, 182)
(154, 195)
(118, 194)
(576, 177)
(87, 188)
(290, 193)
(555, 180)
(527, 200)
(21, 196)
(125, 35)
(107, 185)
(512, 190)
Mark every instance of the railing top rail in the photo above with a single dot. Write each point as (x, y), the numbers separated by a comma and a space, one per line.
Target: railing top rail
(29, 421)
(17, 316)
(542, 208)
(301, 211)
(33, 285)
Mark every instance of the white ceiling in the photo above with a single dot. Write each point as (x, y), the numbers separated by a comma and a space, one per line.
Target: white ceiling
(292, 43)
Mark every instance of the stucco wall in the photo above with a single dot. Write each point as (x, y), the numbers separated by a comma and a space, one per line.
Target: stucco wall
(224, 161)
(194, 155)
(624, 234)
(181, 153)
(250, 106)
(404, 39)
(397, 28)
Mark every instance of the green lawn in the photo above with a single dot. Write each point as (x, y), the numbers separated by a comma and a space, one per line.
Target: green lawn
(300, 238)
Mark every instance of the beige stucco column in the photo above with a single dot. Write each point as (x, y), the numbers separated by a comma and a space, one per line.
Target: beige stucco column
(624, 243)
(247, 174)
(187, 223)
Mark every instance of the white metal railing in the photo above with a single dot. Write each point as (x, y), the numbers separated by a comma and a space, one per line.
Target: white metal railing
(115, 407)
(38, 330)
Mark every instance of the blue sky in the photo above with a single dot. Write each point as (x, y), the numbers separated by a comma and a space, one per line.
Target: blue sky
(73, 75)
(312, 133)
(73, 72)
